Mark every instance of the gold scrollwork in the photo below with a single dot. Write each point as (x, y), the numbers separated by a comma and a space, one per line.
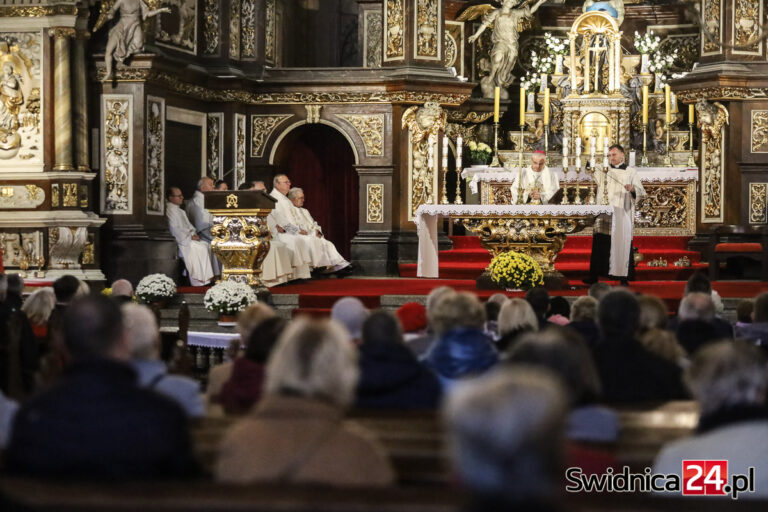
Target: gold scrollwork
(54, 195)
(746, 25)
(88, 256)
(248, 33)
(758, 211)
(239, 149)
(33, 192)
(759, 130)
(370, 127)
(83, 196)
(241, 242)
(211, 27)
(313, 113)
(711, 120)
(70, 194)
(269, 33)
(424, 125)
(394, 29)
(231, 201)
(457, 116)
(723, 93)
(664, 206)
(375, 202)
(262, 126)
(234, 30)
(38, 11)
(373, 38)
(62, 32)
(426, 34)
(711, 14)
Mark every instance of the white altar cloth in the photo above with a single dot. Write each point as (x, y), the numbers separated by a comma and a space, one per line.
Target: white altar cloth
(427, 216)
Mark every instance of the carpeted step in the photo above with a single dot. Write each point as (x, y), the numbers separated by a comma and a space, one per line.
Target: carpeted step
(585, 242)
(310, 300)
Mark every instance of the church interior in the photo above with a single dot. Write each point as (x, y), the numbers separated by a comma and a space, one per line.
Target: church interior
(410, 169)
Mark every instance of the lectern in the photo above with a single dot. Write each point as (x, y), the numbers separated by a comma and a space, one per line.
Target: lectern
(240, 233)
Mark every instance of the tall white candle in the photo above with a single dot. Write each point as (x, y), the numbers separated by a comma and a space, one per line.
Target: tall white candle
(430, 151)
(605, 146)
(445, 151)
(459, 148)
(565, 146)
(592, 145)
(578, 146)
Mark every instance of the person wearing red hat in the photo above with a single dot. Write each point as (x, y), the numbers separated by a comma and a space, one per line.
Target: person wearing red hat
(413, 319)
(539, 183)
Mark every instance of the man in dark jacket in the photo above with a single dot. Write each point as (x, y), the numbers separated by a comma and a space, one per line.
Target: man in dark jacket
(96, 422)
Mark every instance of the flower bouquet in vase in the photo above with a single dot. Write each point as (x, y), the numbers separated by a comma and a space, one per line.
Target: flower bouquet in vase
(156, 288)
(228, 298)
(479, 153)
(515, 271)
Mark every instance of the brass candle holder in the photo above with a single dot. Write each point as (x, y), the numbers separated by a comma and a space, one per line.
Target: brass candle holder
(457, 199)
(444, 198)
(667, 157)
(644, 159)
(565, 180)
(691, 158)
(591, 196)
(495, 162)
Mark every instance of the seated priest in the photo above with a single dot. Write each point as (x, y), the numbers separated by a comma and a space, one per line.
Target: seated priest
(196, 253)
(201, 218)
(334, 262)
(539, 183)
(285, 228)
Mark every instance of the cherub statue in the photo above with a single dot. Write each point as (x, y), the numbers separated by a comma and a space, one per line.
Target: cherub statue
(127, 36)
(506, 22)
(711, 118)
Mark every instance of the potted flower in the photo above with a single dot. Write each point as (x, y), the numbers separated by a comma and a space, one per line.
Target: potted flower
(558, 47)
(156, 288)
(479, 153)
(646, 44)
(515, 271)
(228, 298)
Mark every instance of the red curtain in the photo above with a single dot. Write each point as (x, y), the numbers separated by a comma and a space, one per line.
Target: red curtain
(319, 159)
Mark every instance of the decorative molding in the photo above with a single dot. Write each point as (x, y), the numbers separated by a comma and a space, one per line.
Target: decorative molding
(394, 30)
(747, 16)
(185, 37)
(62, 32)
(712, 120)
(370, 127)
(211, 27)
(21, 247)
(372, 38)
(65, 245)
(155, 153)
(262, 126)
(37, 11)
(313, 113)
(270, 32)
(21, 196)
(117, 154)
(454, 46)
(234, 30)
(215, 144)
(723, 93)
(248, 29)
(239, 149)
(427, 40)
(55, 202)
(759, 131)
(712, 14)
(758, 209)
(70, 192)
(375, 203)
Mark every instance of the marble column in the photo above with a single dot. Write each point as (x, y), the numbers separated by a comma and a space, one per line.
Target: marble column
(572, 71)
(62, 99)
(80, 102)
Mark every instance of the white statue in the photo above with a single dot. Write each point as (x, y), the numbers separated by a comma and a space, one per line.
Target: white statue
(614, 8)
(506, 24)
(127, 36)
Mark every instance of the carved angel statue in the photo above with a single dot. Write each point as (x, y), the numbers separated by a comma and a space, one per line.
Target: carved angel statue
(127, 36)
(711, 118)
(424, 125)
(506, 23)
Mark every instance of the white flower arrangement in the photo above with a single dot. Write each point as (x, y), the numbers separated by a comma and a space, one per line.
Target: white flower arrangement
(531, 81)
(543, 64)
(229, 297)
(660, 64)
(555, 45)
(155, 287)
(647, 43)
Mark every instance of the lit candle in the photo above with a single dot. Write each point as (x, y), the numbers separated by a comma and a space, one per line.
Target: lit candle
(578, 146)
(605, 161)
(592, 145)
(565, 147)
(445, 151)
(430, 151)
(691, 114)
(667, 105)
(605, 147)
(592, 161)
(522, 107)
(458, 151)
(546, 106)
(496, 92)
(645, 104)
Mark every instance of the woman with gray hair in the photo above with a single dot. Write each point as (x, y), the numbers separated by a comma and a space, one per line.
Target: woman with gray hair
(38, 308)
(515, 318)
(296, 434)
(729, 380)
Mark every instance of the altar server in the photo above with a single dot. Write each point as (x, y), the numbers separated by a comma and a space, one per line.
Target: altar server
(612, 239)
(196, 253)
(539, 183)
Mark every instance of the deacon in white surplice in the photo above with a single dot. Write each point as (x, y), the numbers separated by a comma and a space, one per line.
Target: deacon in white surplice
(328, 253)
(281, 218)
(539, 182)
(612, 235)
(196, 253)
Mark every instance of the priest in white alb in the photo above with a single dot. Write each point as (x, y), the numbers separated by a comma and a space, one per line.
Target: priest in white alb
(196, 253)
(201, 218)
(612, 235)
(282, 224)
(333, 261)
(539, 183)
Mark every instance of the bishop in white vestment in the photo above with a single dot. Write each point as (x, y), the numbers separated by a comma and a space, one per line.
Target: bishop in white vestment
(196, 253)
(282, 218)
(539, 183)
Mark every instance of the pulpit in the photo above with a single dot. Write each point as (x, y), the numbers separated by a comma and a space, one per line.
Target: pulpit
(240, 233)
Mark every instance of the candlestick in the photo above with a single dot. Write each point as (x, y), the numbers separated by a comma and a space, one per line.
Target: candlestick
(667, 158)
(496, 92)
(430, 152)
(691, 114)
(546, 106)
(522, 108)
(445, 151)
(592, 144)
(565, 147)
(520, 169)
(667, 106)
(691, 159)
(459, 150)
(644, 159)
(495, 161)
(578, 146)
(444, 195)
(605, 185)
(543, 81)
(565, 176)
(645, 104)
(457, 199)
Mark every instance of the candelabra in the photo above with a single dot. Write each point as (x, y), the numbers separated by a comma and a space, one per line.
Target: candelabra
(565, 180)
(667, 158)
(444, 198)
(591, 173)
(495, 162)
(691, 159)
(520, 169)
(458, 200)
(644, 159)
(577, 192)
(546, 138)
(605, 185)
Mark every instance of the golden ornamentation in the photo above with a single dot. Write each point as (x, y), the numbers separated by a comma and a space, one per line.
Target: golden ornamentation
(454, 46)
(375, 202)
(234, 30)
(231, 201)
(746, 25)
(711, 17)
(427, 41)
(758, 211)
(759, 130)
(394, 28)
(424, 125)
(65, 245)
(38, 11)
(54, 195)
(658, 262)
(83, 193)
(117, 115)
(262, 126)
(215, 140)
(372, 38)
(70, 194)
(679, 141)
(121, 73)
(370, 127)
(313, 113)
(88, 257)
(21, 196)
(269, 34)
(247, 29)
(211, 27)
(458, 116)
(723, 93)
(664, 206)
(34, 193)
(239, 149)
(155, 154)
(21, 248)
(185, 37)
(711, 119)
(62, 32)
(241, 242)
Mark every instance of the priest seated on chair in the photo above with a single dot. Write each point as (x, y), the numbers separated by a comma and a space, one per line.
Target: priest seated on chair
(286, 229)
(196, 253)
(333, 261)
(539, 183)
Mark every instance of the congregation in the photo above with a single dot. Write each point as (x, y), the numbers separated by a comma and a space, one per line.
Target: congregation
(519, 382)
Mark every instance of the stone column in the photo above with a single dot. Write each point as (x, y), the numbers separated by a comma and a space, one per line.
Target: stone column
(572, 71)
(610, 60)
(587, 42)
(80, 102)
(62, 99)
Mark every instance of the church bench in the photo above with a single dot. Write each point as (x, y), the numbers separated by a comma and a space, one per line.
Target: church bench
(737, 241)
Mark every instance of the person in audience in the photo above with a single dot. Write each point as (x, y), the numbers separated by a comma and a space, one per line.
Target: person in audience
(52, 353)
(757, 331)
(743, 314)
(491, 327)
(351, 313)
(462, 349)
(696, 322)
(699, 282)
(83, 289)
(653, 313)
(515, 318)
(14, 290)
(196, 253)
(245, 386)
(559, 311)
(8, 409)
(38, 308)
(140, 329)
(538, 298)
(258, 185)
(584, 319)
(729, 381)
(599, 290)
(390, 375)
(506, 437)
(499, 298)
(413, 320)
(220, 185)
(122, 291)
(18, 347)
(327, 253)
(421, 345)
(629, 372)
(296, 433)
(95, 422)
